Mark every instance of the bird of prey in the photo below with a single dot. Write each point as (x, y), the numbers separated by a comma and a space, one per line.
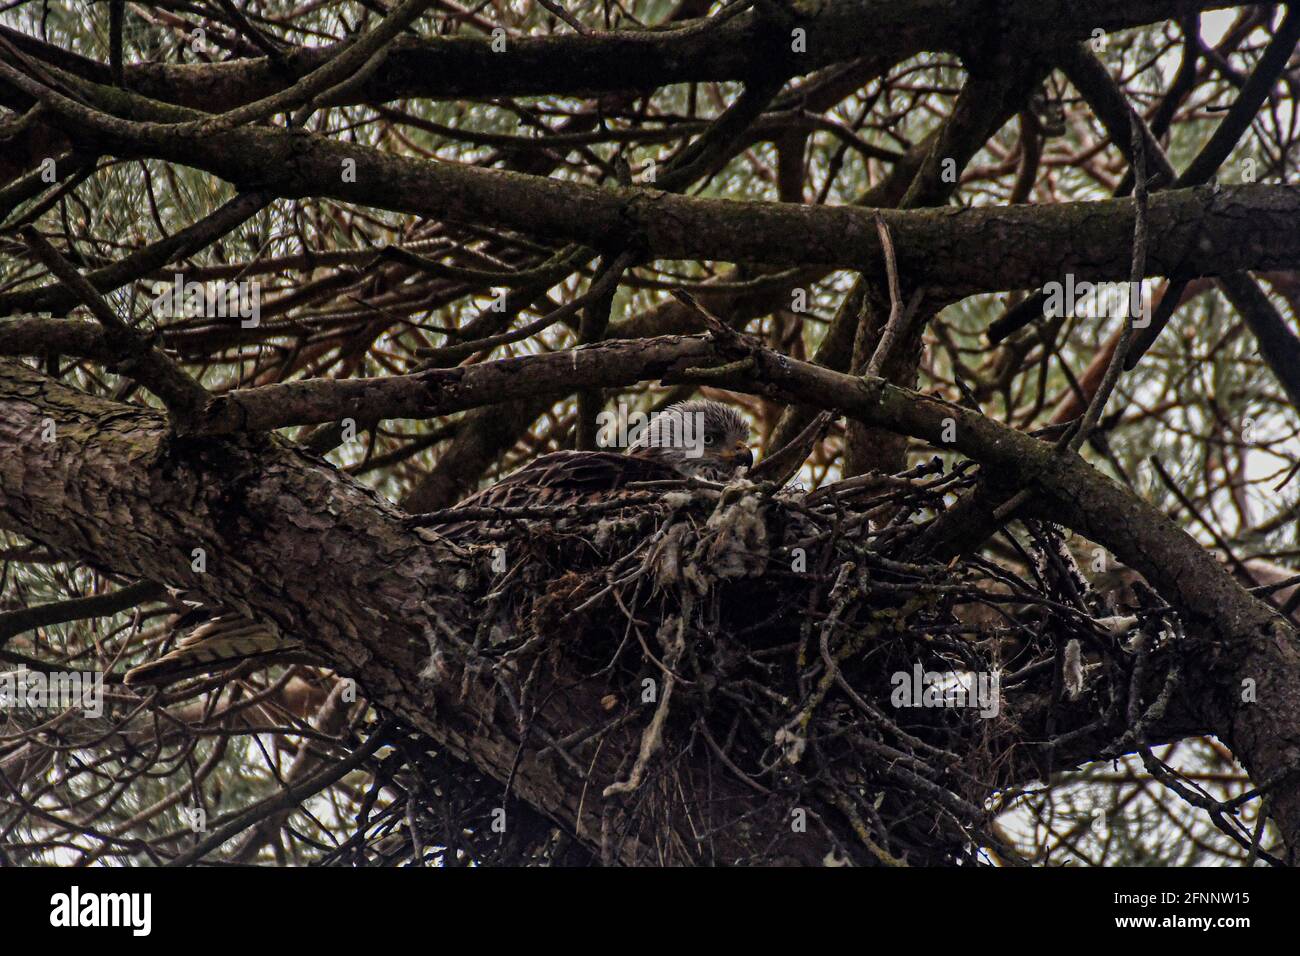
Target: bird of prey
(690, 439)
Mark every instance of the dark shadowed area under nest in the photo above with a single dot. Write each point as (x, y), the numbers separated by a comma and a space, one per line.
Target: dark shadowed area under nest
(748, 651)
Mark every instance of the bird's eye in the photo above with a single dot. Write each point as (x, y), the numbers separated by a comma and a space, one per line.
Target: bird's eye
(708, 439)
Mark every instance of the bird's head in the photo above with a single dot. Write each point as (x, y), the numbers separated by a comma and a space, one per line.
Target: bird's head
(699, 438)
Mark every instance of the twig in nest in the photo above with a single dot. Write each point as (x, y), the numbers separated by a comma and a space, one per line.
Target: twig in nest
(653, 737)
(492, 513)
(782, 466)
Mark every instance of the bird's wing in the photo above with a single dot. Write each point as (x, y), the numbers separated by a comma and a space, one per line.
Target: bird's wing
(560, 479)
(567, 474)
(224, 640)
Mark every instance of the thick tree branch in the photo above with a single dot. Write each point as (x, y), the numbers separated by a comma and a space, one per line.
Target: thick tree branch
(76, 609)
(951, 252)
(691, 51)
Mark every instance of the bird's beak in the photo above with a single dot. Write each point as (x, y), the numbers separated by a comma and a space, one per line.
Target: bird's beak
(740, 454)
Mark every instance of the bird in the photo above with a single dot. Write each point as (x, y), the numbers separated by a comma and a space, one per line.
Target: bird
(210, 640)
(698, 439)
(692, 439)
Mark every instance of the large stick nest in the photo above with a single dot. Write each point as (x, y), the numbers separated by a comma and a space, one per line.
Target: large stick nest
(749, 649)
